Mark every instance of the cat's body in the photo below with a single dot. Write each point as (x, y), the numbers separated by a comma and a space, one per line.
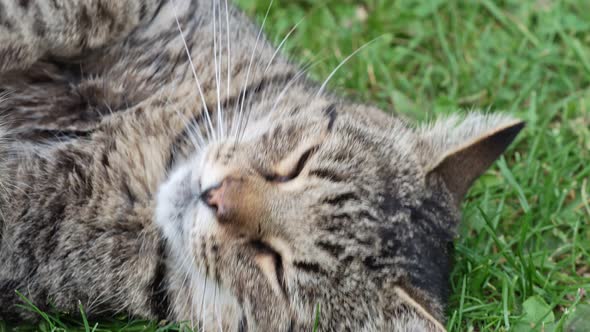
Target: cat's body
(108, 197)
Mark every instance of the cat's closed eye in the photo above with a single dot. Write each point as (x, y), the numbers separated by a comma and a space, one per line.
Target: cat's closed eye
(292, 167)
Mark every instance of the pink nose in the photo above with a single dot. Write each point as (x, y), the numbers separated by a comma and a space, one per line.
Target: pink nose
(217, 198)
(239, 203)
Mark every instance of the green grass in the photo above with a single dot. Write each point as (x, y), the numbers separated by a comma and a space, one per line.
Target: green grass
(522, 259)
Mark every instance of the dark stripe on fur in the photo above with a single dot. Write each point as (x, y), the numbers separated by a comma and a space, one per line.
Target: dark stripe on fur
(158, 288)
(325, 173)
(5, 20)
(143, 10)
(243, 324)
(330, 112)
(37, 135)
(310, 267)
(340, 199)
(24, 4)
(334, 249)
(265, 249)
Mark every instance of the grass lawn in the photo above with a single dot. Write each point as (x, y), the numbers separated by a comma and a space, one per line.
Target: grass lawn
(522, 260)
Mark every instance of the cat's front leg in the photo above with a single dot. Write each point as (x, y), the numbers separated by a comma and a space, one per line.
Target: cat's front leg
(32, 29)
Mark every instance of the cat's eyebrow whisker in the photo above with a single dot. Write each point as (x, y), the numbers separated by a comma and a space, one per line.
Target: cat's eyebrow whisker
(217, 68)
(250, 67)
(298, 75)
(220, 49)
(325, 83)
(246, 118)
(210, 129)
(240, 133)
(227, 33)
(304, 70)
(248, 109)
(282, 43)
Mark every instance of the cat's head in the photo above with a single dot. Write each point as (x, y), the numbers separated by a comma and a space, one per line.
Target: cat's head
(332, 209)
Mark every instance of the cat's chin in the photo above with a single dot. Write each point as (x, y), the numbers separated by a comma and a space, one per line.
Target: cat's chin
(204, 304)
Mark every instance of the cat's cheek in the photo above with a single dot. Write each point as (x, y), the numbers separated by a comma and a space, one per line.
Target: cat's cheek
(173, 206)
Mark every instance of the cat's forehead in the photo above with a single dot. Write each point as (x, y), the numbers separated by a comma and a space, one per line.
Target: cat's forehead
(325, 114)
(291, 126)
(356, 129)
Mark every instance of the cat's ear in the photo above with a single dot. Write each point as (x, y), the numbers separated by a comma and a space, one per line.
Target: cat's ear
(460, 150)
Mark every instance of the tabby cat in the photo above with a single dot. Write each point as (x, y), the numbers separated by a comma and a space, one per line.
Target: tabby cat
(161, 159)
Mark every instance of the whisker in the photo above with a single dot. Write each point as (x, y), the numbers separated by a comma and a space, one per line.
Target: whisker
(190, 60)
(187, 277)
(325, 83)
(188, 271)
(109, 108)
(293, 80)
(193, 131)
(220, 49)
(217, 308)
(282, 43)
(250, 65)
(217, 68)
(298, 75)
(192, 309)
(203, 301)
(228, 50)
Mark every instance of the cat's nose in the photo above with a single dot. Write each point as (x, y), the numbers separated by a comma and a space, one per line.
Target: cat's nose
(218, 198)
(239, 202)
(212, 196)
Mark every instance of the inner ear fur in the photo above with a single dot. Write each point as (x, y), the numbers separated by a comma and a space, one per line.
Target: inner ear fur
(460, 167)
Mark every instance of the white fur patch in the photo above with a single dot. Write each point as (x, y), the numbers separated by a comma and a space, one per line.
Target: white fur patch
(182, 219)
